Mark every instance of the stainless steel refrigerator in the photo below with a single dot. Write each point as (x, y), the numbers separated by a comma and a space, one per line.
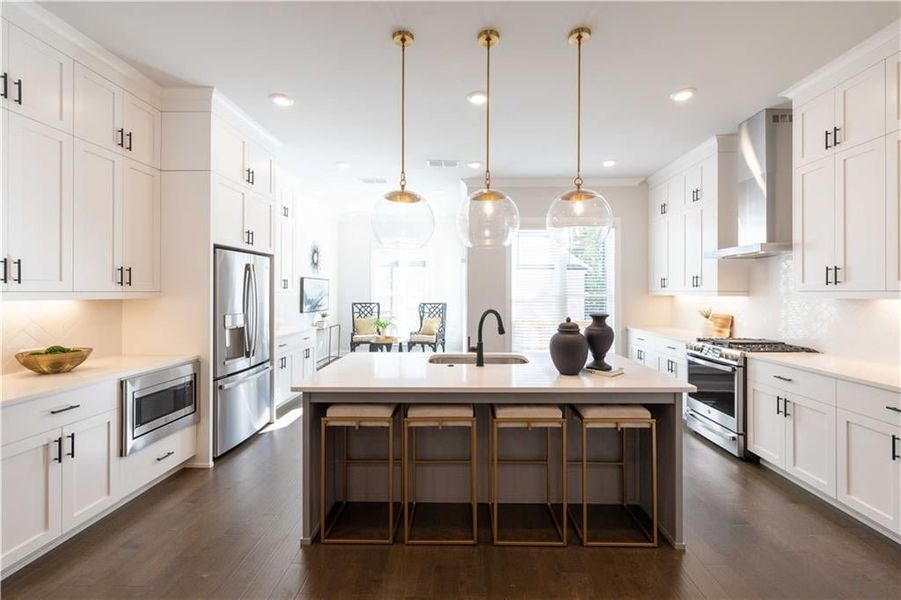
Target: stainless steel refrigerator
(242, 379)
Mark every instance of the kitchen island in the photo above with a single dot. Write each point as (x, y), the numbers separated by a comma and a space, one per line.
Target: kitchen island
(419, 378)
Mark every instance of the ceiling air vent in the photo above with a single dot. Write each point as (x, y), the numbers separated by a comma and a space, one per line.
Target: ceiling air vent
(374, 180)
(443, 164)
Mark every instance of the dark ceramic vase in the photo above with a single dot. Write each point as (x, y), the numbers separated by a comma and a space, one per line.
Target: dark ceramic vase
(600, 339)
(569, 348)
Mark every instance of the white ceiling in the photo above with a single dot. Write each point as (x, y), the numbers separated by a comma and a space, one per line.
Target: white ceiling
(338, 62)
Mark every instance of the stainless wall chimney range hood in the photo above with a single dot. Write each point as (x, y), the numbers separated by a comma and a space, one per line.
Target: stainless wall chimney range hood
(764, 186)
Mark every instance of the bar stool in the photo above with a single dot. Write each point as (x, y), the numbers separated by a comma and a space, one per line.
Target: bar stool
(437, 416)
(623, 418)
(529, 417)
(356, 416)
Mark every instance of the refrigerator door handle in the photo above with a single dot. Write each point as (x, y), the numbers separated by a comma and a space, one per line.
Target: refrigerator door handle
(246, 300)
(245, 378)
(256, 310)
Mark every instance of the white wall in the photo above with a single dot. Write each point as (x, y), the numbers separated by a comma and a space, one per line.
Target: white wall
(867, 329)
(489, 270)
(96, 324)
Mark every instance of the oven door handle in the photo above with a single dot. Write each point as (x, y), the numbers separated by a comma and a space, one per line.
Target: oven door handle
(711, 364)
(707, 427)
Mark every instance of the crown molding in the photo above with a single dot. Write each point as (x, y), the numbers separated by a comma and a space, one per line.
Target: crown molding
(553, 182)
(717, 143)
(52, 30)
(225, 108)
(881, 44)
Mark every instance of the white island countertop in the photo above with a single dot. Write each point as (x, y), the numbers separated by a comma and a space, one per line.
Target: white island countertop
(24, 385)
(882, 375)
(411, 372)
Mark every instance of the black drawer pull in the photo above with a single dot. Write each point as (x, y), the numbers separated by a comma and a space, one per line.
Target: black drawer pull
(895, 455)
(778, 405)
(56, 411)
(781, 378)
(165, 456)
(785, 412)
(894, 408)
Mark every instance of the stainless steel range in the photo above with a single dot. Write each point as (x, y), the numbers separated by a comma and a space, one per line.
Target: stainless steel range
(716, 366)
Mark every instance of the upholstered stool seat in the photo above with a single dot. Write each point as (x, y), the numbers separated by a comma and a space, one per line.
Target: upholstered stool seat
(354, 416)
(529, 416)
(437, 416)
(624, 418)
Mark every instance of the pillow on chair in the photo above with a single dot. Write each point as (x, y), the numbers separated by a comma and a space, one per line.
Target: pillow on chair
(365, 326)
(430, 326)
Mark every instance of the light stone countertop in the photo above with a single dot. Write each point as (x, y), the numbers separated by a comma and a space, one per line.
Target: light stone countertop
(24, 385)
(671, 333)
(882, 375)
(411, 372)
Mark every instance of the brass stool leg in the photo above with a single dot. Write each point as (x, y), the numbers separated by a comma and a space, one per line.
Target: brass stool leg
(473, 459)
(322, 445)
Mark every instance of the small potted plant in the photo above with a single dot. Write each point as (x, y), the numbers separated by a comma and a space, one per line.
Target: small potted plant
(321, 323)
(382, 324)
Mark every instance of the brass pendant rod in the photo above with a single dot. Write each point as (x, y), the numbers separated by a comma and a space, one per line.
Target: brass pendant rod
(488, 115)
(578, 180)
(403, 89)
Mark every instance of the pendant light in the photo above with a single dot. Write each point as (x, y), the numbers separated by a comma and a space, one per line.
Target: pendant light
(402, 218)
(488, 217)
(579, 211)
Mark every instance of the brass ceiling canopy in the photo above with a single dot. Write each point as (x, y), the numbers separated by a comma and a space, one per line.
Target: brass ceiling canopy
(403, 38)
(489, 37)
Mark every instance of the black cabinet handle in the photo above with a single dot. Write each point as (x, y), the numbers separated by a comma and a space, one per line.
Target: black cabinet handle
(120, 134)
(894, 408)
(247, 179)
(253, 177)
(895, 455)
(781, 378)
(165, 456)
(128, 147)
(835, 271)
(284, 284)
(66, 409)
(835, 140)
(120, 275)
(785, 412)
(828, 280)
(18, 84)
(128, 281)
(5, 92)
(18, 264)
(827, 139)
(4, 279)
(71, 452)
(59, 449)
(306, 353)
(778, 406)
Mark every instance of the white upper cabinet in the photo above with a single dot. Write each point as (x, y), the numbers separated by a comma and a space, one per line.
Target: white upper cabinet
(285, 234)
(258, 221)
(98, 109)
(242, 219)
(860, 108)
(893, 210)
(259, 162)
(893, 92)
(97, 217)
(813, 123)
(675, 193)
(38, 80)
(37, 206)
(140, 227)
(142, 125)
(814, 224)
(240, 159)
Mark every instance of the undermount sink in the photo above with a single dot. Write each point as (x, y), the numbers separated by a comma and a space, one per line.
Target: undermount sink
(491, 358)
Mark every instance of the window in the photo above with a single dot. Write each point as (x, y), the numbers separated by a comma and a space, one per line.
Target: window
(399, 282)
(550, 284)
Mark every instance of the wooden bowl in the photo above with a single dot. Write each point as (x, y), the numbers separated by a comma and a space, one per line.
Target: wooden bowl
(48, 364)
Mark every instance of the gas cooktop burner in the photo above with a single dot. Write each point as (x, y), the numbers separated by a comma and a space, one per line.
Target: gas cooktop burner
(753, 345)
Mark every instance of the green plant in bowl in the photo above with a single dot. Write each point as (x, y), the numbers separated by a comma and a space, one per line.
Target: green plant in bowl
(54, 350)
(52, 359)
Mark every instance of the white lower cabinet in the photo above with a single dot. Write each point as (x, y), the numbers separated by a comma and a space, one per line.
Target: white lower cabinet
(145, 465)
(295, 358)
(869, 468)
(32, 481)
(765, 424)
(810, 442)
(90, 468)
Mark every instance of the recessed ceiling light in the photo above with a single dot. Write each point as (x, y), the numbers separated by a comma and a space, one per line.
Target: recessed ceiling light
(609, 163)
(683, 95)
(474, 164)
(342, 165)
(281, 100)
(477, 97)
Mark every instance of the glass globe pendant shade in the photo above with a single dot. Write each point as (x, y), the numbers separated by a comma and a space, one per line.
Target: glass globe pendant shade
(402, 219)
(488, 218)
(579, 211)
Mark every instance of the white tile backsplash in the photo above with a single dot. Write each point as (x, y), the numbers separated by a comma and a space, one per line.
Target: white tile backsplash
(868, 329)
(28, 324)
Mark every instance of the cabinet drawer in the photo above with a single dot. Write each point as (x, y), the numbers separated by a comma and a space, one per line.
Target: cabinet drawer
(640, 339)
(877, 403)
(803, 383)
(670, 348)
(35, 416)
(284, 343)
(147, 464)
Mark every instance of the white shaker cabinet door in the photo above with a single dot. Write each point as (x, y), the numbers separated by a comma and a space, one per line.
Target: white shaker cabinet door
(98, 109)
(31, 481)
(258, 219)
(228, 213)
(142, 124)
(814, 122)
(660, 253)
(860, 212)
(285, 255)
(260, 163)
(39, 80)
(675, 279)
(893, 93)
(90, 468)
(869, 468)
(141, 227)
(38, 206)
(765, 424)
(97, 219)
(810, 442)
(694, 247)
(893, 210)
(860, 108)
(814, 224)
(228, 152)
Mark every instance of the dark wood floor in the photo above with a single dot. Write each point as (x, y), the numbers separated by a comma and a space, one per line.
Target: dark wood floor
(233, 533)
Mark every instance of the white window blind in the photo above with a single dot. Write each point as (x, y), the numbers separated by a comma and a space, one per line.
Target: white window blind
(550, 284)
(400, 281)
